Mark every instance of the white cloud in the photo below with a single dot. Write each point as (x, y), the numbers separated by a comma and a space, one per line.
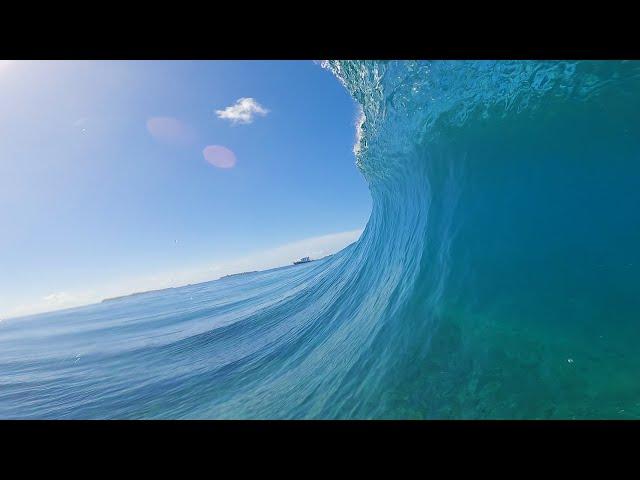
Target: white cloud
(58, 298)
(51, 302)
(243, 111)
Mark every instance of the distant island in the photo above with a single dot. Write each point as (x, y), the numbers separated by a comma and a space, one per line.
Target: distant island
(238, 274)
(122, 297)
(135, 294)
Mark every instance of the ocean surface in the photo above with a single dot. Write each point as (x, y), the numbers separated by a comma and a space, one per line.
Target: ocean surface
(498, 276)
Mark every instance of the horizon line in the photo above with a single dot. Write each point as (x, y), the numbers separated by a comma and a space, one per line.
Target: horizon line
(234, 266)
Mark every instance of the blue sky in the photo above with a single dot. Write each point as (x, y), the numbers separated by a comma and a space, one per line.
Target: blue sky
(105, 188)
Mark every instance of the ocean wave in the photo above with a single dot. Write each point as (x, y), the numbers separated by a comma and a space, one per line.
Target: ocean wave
(497, 276)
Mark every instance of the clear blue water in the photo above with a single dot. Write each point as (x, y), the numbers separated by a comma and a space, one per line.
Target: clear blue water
(498, 275)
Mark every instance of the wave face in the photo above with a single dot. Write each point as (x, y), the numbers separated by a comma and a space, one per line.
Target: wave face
(498, 275)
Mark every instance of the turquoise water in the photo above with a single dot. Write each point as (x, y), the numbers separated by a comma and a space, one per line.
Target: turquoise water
(498, 275)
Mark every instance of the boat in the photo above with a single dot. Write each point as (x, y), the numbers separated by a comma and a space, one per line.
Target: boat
(302, 260)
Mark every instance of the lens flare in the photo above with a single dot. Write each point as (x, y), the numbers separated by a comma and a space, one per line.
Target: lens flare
(219, 156)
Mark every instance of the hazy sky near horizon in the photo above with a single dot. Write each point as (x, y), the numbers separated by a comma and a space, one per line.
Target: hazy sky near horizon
(122, 176)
